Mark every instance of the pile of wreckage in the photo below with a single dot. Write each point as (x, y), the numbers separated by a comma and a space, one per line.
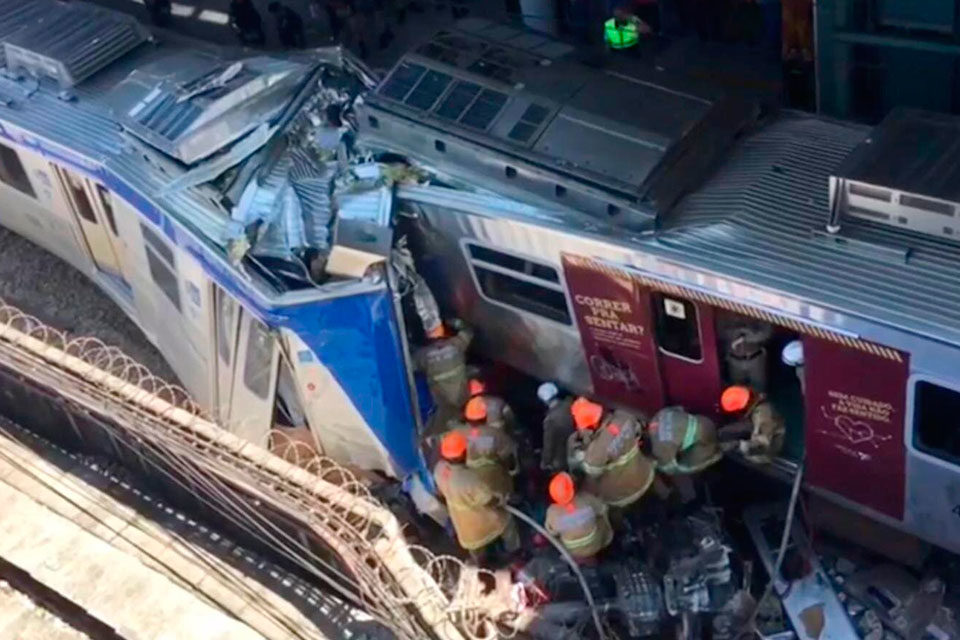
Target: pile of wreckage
(692, 575)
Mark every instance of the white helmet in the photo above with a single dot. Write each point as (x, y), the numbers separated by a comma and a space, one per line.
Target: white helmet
(792, 354)
(547, 392)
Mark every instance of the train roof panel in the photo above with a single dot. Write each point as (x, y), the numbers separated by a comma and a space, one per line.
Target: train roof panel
(913, 151)
(192, 104)
(70, 42)
(16, 15)
(761, 218)
(604, 128)
(217, 112)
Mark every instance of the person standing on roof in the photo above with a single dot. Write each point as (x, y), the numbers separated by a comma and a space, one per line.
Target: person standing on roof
(557, 427)
(475, 507)
(579, 519)
(289, 25)
(756, 421)
(497, 412)
(616, 471)
(443, 361)
(246, 23)
(622, 32)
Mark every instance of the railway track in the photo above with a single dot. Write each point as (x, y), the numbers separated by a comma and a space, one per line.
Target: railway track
(30, 610)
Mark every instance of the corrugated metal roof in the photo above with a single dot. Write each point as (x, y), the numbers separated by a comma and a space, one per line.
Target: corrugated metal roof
(761, 219)
(194, 104)
(19, 14)
(577, 129)
(71, 42)
(913, 151)
(86, 127)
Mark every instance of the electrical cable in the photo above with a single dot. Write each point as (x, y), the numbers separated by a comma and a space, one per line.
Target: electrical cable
(750, 624)
(569, 559)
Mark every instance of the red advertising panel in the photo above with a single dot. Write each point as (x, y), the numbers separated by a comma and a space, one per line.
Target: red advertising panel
(616, 331)
(855, 409)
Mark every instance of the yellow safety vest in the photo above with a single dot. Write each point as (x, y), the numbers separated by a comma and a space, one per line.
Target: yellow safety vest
(621, 37)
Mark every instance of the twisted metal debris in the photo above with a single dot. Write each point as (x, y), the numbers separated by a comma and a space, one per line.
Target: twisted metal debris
(405, 586)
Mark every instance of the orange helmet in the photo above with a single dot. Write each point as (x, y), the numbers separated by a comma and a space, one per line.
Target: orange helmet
(477, 387)
(561, 489)
(475, 410)
(735, 398)
(437, 332)
(453, 446)
(586, 414)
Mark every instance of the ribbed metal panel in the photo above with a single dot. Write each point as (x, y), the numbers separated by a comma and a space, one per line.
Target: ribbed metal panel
(194, 104)
(313, 184)
(758, 219)
(16, 15)
(71, 42)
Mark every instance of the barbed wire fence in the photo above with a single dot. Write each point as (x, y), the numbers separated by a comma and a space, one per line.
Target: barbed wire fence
(405, 586)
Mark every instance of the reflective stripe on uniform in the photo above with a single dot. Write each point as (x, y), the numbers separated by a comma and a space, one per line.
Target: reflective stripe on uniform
(582, 541)
(592, 470)
(693, 430)
(633, 497)
(474, 463)
(447, 374)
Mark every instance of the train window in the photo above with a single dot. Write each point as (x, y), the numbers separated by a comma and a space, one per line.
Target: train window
(677, 327)
(158, 244)
(107, 203)
(936, 421)
(519, 283)
(162, 266)
(514, 263)
(523, 295)
(225, 334)
(256, 368)
(12, 172)
(79, 197)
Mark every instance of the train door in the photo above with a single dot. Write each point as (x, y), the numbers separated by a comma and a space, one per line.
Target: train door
(687, 344)
(93, 212)
(253, 383)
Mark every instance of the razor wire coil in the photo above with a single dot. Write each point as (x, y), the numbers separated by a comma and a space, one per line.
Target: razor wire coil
(354, 534)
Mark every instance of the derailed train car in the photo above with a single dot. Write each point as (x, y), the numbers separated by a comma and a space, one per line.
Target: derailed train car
(630, 237)
(647, 243)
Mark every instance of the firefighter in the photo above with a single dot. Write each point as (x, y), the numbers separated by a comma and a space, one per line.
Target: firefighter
(476, 508)
(756, 421)
(579, 519)
(497, 413)
(622, 32)
(490, 451)
(683, 443)
(616, 471)
(557, 427)
(443, 361)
